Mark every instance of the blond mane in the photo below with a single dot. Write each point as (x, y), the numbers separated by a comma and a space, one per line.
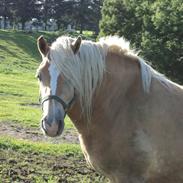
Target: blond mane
(85, 70)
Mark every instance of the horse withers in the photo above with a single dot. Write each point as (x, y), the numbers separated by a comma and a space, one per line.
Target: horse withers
(129, 117)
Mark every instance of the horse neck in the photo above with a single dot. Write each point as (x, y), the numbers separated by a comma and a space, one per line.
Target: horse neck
(121, 81)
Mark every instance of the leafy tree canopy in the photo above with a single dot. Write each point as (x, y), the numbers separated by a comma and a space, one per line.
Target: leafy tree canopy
(154, 27)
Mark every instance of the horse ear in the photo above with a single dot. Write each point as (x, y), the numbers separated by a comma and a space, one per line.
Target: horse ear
(42, 46)
(76, 45)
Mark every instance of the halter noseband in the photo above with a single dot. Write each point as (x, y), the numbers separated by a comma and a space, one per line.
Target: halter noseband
(58, 99)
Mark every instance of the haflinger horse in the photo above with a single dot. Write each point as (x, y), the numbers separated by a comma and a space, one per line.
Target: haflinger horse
(129, 117)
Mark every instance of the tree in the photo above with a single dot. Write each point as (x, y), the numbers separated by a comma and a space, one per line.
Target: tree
(46, 11)
(155, 27)
(162, 40)
(24, 11)
(87, 14)
(96, 6)
(118, 19)
(81, 9)
(5, 10)
(62, 12)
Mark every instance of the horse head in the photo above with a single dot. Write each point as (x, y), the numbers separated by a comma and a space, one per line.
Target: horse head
(56, 92)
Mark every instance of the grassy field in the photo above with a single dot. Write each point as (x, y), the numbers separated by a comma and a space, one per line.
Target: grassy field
(27, 160)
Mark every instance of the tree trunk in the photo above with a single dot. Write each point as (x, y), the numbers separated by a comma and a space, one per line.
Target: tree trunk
(45, 25)
(23, 25)
(81, 29)
(5, 22)
(58, 25)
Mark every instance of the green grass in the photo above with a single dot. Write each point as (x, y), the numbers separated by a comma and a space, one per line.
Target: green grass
(87, 35)
(24, 161)
(19, 59)
(25, 146)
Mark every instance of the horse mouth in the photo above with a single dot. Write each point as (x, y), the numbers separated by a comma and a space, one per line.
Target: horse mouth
(55, 134)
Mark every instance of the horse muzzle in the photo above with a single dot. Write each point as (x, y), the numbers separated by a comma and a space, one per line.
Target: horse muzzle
(52, 129)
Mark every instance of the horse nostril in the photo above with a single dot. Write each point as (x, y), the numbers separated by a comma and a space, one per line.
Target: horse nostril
(44, 120)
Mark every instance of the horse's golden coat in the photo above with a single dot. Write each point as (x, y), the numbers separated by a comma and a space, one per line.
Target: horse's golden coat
(135, 132)
(133, 136)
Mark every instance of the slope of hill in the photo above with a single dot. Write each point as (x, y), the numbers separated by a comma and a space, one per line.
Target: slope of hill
(19, 59)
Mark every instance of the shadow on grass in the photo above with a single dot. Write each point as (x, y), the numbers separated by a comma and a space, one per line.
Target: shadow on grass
(25, 41)
(4, 48)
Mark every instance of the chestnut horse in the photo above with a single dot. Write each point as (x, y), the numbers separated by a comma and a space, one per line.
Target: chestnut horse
(129, 117)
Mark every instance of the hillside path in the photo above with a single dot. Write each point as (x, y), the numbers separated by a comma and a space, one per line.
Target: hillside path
(35, 134)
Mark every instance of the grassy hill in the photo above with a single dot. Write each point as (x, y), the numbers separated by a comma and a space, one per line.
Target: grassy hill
(23, 160)
(19, 59)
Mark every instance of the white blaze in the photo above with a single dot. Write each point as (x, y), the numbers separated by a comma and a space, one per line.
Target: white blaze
(53, 78)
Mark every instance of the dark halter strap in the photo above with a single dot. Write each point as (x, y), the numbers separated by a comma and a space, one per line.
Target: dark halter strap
(58, 99)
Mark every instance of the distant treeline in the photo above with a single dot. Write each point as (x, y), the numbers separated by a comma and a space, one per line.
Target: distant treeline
(81, 14)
